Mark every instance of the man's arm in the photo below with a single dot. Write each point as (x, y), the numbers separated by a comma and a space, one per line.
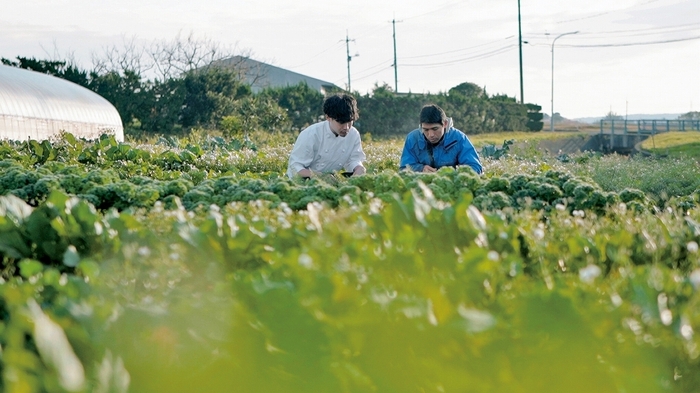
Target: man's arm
(357, 156)
(302, 156)
(408, 159)
(468, 156)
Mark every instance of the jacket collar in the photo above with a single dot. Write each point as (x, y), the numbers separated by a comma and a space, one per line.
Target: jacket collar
(423, 142)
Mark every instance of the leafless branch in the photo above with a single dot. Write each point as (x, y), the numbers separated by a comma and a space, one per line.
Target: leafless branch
(129, 57)
(183, 54)
(55, 55)
(165, 59)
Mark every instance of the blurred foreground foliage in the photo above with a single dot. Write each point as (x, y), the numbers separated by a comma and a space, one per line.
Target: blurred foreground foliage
(532, 278)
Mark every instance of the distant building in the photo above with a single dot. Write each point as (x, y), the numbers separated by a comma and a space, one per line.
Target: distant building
(38, 106)
(261, 75)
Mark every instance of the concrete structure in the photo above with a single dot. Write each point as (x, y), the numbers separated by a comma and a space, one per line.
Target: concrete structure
(260, 75)
(622, 136)
(38, 106)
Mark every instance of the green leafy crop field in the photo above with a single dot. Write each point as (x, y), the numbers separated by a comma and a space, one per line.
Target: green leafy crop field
(196, 266)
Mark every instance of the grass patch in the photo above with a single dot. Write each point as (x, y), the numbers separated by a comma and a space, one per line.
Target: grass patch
(498, 138)
(675, 144)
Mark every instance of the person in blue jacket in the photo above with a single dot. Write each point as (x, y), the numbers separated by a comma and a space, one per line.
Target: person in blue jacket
(436, 144)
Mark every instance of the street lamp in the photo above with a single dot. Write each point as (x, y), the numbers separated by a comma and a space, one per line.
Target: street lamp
(551, 119)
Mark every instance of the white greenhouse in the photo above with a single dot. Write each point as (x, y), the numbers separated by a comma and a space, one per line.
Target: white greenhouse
(38, 106)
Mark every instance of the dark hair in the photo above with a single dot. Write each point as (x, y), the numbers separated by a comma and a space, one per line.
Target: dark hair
(341, 108)
(431, 114)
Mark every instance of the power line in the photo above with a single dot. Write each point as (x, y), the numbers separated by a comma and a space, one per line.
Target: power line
(642, 32)
(621, 34)
(465, 59)
(385, 64)
(633, 43)
(372, 74)
(368, 33)
(458, 50)
(604, 13)
(475, 53)
(630, 35)
(338, 44)
(650, 30)
(437, 10)
(311, 59)
(382, 64)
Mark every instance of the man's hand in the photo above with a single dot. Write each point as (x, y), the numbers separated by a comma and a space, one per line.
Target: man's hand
(359, 170)
(306, 172)
(429, 169)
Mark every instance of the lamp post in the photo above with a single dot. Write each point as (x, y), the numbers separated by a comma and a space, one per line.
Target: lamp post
(551, 119)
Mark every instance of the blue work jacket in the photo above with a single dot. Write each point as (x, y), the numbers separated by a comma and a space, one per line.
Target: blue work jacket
(454, 149)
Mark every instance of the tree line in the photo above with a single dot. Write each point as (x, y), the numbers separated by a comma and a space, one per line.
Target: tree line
(175, 86)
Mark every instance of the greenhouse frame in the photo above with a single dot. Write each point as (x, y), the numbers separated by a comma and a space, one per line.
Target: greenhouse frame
(39, 106)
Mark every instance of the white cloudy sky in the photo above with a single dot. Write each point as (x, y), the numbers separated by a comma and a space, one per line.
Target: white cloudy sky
(629, 56)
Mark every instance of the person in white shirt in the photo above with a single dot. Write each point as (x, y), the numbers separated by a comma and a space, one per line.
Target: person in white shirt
(330, 145)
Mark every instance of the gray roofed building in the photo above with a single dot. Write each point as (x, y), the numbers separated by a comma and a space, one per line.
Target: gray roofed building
(38, 106)
(261, 75)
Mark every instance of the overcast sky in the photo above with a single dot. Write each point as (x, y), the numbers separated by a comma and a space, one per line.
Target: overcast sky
(629, 56)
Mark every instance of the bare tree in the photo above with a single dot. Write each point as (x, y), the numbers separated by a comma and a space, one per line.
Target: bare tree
(183, 54)
(131, 56)
(55, 55)
(167, 59)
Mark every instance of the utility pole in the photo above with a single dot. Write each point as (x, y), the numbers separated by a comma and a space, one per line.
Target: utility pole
(396, 66)
(347, 48)
(520, 48)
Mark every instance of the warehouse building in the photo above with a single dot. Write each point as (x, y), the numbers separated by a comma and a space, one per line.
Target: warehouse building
(261, 75)
(38, 106)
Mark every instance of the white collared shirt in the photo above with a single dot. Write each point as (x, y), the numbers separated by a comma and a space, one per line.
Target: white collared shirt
(319, 149)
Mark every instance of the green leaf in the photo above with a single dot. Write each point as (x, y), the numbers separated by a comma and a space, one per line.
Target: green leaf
(13, 217)
(36, 148)
(51, 276)
(14, 246)
(49, 243)
(30, 267)
(187, 156)
(57, 199)
(49, 153)
(195, 149)
(88, 268)
(68, 137)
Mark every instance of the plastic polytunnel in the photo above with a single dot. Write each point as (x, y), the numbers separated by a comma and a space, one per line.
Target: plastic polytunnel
(38, 106)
